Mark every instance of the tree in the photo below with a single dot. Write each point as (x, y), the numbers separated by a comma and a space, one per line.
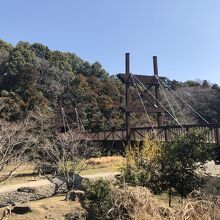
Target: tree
(68, 154)
(142, 166)
(215, 86)
(180, 160)
(205, 84)
(16, 140)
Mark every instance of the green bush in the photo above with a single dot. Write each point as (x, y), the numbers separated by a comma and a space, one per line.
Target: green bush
(99, 195)
(142, 166)
(169, 168)
(180, 160)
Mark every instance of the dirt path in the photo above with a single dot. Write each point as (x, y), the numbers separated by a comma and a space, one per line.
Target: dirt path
(43, 182)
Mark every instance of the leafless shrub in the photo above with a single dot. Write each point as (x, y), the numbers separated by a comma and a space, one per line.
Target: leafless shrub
(15, 140)
(68, 153)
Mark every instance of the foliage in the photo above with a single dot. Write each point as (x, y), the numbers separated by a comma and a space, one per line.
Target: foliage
(180, 160)
(172, 167)
(99, 194)
(37, 77)
(143, 164)
(40, 78)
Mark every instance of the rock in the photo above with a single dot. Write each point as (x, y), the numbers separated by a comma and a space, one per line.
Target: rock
(47, 169)
(21, 209)
(75, 216)
(75, 195)
(78, 181)
(9, 198)
(118, 177)
(27, 189)
(60, 181)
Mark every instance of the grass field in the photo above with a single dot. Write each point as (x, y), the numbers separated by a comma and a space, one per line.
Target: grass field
(51, 208)
(94, 166)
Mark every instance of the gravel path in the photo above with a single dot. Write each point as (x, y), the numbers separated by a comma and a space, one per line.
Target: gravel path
(44, 182)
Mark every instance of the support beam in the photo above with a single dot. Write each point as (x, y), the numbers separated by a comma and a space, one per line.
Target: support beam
(128, 99)
(157, 94)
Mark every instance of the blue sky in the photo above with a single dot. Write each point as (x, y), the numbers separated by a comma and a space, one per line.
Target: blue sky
(184, 34)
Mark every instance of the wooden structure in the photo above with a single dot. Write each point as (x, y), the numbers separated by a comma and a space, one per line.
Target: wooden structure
(129, 134)
(162, 133)
(150, 81)
(65, 119)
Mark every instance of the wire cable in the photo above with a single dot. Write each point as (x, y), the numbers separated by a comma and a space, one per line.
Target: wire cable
(174, 114)
(148, 117)
(65, 120)
(158, 101)
(184, 101)
(80, 125)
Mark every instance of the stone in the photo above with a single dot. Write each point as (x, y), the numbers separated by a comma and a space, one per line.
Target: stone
(61, 181)
(75, 216)
(21, 209)
(27, 189)
(75, 195)
(47, 169)
(118, 177)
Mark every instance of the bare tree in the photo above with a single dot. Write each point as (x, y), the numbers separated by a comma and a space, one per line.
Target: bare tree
(68, 153)
(15, 141)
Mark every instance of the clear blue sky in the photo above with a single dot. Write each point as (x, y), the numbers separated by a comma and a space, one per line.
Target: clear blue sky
(184, 34)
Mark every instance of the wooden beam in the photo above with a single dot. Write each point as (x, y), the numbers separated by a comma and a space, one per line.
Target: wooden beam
(146, 80)
(128, 99)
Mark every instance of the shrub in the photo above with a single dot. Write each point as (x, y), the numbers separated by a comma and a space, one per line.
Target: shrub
(99, 195)
(180, 161)
(172, 167)
(142, 166)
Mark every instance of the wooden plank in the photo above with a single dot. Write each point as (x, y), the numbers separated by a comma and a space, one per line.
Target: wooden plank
(146, 80)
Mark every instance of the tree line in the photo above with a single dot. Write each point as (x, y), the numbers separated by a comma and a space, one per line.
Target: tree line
(35, 78)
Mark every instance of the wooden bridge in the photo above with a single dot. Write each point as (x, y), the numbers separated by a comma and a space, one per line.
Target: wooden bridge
(161, 133)
(151, 94)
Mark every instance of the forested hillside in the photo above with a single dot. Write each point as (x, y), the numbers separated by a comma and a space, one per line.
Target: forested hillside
(35, 78)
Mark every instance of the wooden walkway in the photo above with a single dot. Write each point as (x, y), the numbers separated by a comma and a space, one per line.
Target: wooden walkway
(164, 133)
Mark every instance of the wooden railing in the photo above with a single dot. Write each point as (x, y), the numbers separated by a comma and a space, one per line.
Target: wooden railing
(163, 133)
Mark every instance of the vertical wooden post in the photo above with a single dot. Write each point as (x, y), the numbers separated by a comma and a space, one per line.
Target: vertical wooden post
(157, 95)
(217, 140)
(217, 135)
(128, 124)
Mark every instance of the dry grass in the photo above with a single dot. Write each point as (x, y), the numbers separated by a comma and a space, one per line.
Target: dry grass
(50, 208)
(104, 164)
(137, 203)
(106, 160)
(200, 206)
(25, 168)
